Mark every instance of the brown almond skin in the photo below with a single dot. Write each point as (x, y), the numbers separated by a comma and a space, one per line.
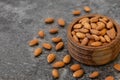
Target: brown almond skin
(37, 52)
(56, 39)
(94, 19)
(33, 42)
(76, 12)
(109, 78)
(107, 38)
(109, 25)
(41, 34)
(103, 32)
(117, 67)
(58, 64)
(87, 25)
(59, 46)
(111, 33)
(80, 35)
(75, 67)
(47, 46)
(84, 20)
(55, 73)
(100, 25)
(84, 41)
(49, 20)
(61, 22)
(87, 9)
(102, 39)
(51, 57)
(77, 26)
(96, 44)
(94, 31)
(78, 73)
(83, 30)
(54, 30)
(67, 59)
(75, 38)
(94, 74)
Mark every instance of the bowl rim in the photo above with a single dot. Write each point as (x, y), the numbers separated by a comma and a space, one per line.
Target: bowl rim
(69, 36)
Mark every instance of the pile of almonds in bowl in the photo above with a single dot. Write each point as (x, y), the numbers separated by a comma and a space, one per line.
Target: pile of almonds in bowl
(94, 31)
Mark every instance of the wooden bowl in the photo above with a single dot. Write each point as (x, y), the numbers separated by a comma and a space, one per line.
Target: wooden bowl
(93, 55)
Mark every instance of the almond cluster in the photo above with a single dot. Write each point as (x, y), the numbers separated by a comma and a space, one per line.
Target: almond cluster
(94, 31)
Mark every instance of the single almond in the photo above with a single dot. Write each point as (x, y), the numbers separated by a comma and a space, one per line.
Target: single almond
(73, 32)
(111, 33)
(117, 67)
(87, 8)
(83, 30)
(84, 41)
(47, 46)
(51, 57)
(89, 36)
(80, 35)
(93, 25)
(102, 39)
(75, 38)
(96, 44)
(41, 34)
(94, 19)
(67, 59)
(61, 22)
(103, 32)
(56, 39)
(77, 26)
(94, 31)
(59, 46)
(58, 64)
(102, 20)
(109, 78)
(94, 74)
(97, 38)
(100, 25)
(107, 38)
(91, 41)
(78, 73)
(87, 26)
(49, 20)
(55, 73)
(109, 25)
(33, 42)
(84, 20)
(37, 52)
(76, 12)
(54, 30)
(75, 67)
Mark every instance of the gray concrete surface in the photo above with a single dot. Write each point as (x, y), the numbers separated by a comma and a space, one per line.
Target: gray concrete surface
(19, 22)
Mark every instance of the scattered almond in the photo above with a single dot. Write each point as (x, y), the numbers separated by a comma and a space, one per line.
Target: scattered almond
(75, 67)
(109, 78)
(87, 8)
(49, 20)
(47, 46)
(33, 42)
(67, 59)
(94, 74)
(56, 39)
(58, 64)
(61, 22)
(59, 46)
(55, 73)
(37, 52)
(76, 12)
(41, 34)
(51, 57)
(117, 67)
(54, 30)
(78, 73)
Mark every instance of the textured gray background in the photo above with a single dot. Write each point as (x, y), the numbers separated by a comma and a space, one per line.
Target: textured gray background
(20, 20)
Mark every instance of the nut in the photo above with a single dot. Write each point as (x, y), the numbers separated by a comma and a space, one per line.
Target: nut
(117, 67)
(87, 8)
(41, 34)
(51, 57)
(33, 42)
(55, 73)
(77, 26)
(67, 59)
(49, 20)
(109, 78)
(94, 74)
(80, 35)
(54, 30)
(96, 44)
(84, 41)
(61, 22)
(78, 73)
(76, 12)
(37, 52)
(58, 64)
(75, 67)
(111, 33)
(109, 25)
(56, 39)
(59, 46)
(47, 46)
(107, 38)
(87, 25)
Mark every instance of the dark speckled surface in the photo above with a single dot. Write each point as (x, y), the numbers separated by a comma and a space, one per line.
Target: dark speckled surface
(20, 20)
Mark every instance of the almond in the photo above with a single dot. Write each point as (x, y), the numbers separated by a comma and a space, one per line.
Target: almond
(56, 39)
(58, 64)
(111, 33)
(107, 38)
(49, 20)
(84, 20)
(89, 36)
(73, 32)
(75, 38)
(75, 67)
(47, 46)
(87, 25)
(100, 25)
(61, 22)
(103, 32)
(37, 52)
(109, 78)
(51, 57)
(91, 41)
(67, 59)
(84, 41)
(102, 39)
(93, 25)
(94, 74)
(97, 38)
(109, 25)
(55, 73)
(102, 20)
(76, 30)
(94, 31)
(76, 12)
(83, 30)
(77, 26)
(94, 19)
(80, 35)
(41, 34)
(59, 46)
(78, 73)
(96, 44)
(54, 30)
(87, 8)
(33, 42)
(117, 67)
